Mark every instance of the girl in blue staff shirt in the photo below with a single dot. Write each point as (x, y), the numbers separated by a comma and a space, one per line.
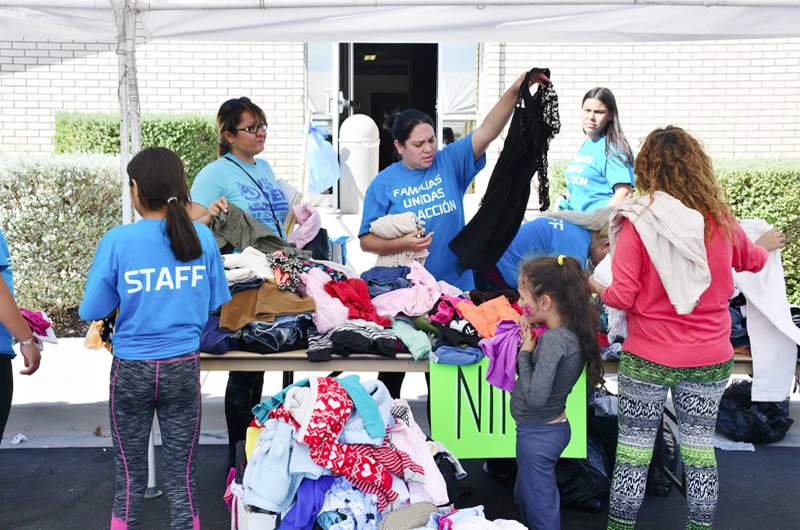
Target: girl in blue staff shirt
(602, 173)
(553, 291)
(165, 274)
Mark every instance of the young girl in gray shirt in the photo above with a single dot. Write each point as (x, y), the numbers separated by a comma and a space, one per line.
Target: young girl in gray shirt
(553, 291)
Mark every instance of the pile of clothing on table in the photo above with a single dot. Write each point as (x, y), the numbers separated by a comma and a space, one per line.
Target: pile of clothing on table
(340, 453)
(284, 299)
(271, 309)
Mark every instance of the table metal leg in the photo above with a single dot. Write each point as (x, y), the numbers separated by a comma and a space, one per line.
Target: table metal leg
(152, 488)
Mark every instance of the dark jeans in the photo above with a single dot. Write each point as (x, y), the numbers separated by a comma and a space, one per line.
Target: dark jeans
(241, 395)
(538, 448)
(6, 390)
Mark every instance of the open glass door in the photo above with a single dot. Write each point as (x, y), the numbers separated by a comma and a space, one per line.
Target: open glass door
(457, 94)
(322, 67)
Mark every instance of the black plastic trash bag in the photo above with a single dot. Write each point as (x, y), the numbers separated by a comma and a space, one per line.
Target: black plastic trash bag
(743, 420)
(584, 483)
(661, 485)
(605, 430)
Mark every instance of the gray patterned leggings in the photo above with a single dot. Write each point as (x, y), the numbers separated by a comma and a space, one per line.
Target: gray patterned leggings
(696, 393)
(171, 389)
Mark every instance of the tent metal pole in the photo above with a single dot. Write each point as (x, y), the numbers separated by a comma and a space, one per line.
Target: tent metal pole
(133, 83)
(124, 135)
(197, 5)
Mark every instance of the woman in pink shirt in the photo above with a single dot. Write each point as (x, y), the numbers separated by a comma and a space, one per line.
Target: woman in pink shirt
(670, 345)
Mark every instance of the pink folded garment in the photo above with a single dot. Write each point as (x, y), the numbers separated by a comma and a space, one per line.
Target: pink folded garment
(35, 320)
(417, 300)
(448, 309)
(310, 222)
(329, 311)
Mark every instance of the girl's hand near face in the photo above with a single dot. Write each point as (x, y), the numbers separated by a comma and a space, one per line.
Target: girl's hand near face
(526, 333)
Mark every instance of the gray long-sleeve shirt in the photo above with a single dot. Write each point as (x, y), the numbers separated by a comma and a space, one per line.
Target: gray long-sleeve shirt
(546, 376)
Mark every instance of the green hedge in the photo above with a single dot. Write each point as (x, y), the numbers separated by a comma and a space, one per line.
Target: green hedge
(53, 212)
(192, 136)
(759, 188)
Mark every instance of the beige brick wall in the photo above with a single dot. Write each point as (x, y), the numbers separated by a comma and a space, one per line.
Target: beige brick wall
(741, 98)
(37, 79)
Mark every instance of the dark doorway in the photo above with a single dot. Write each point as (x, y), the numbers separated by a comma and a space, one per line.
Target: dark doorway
(387, 77)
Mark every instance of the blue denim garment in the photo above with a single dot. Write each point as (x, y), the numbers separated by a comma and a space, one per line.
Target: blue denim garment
(739, 336)
(215, 340)
(538, 447)
(382, 280)
(246, 285)
(456, 355)
(286, 332)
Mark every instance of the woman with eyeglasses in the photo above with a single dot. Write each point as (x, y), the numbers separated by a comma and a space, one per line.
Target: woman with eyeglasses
(238, 177)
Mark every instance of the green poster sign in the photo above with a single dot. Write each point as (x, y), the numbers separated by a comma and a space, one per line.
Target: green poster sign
(473, 419)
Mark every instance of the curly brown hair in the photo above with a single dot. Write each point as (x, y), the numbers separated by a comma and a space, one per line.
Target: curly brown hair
(673, 161)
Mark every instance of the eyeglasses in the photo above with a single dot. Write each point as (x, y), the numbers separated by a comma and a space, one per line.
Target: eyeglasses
(253, 129)
(233, 103)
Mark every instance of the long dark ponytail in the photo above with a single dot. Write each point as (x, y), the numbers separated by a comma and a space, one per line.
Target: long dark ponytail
(161, 180)
(568, 286)
(616, 143)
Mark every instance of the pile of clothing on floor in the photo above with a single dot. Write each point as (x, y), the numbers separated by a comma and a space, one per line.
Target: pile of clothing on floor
(340, 453)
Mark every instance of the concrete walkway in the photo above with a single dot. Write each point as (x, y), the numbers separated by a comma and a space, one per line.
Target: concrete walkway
(64, 403)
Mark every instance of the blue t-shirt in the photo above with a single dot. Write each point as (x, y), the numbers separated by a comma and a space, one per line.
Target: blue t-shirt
(163, 303)
(222, 178)
(544, 237)
(6, 340)
(592, 175)
(436, 195)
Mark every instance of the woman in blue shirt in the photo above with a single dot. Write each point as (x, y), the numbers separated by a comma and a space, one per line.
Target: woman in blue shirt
(240, 178)
(579, 235)
(164, 274)
(237, 176)
(432, 184)
(12, 326)
(602, 172)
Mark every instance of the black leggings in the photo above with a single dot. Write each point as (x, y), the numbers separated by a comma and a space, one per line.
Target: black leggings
(6, 390)
(241, 395)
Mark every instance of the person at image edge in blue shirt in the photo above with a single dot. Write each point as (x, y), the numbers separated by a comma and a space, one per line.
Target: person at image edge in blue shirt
(602, 172)
(164, 274)
(432, 185)
(12, 327)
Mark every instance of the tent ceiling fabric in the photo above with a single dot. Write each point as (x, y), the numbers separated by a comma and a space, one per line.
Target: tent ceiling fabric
(58, 25)
(492, 23)
(469, 23)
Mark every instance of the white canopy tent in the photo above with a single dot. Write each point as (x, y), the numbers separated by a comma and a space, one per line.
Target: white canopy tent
(418, 21)
(381, 21)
